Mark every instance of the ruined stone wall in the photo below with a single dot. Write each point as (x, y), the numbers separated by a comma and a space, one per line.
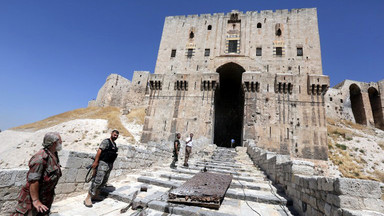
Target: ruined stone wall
(120, 92)
(318, 195)
(283, 85)
(358, 102)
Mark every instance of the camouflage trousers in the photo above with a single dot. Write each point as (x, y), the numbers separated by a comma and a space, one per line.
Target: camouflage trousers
(175, 159)
(101, 178)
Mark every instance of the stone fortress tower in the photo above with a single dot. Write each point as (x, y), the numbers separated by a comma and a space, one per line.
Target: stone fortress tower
(243, 76)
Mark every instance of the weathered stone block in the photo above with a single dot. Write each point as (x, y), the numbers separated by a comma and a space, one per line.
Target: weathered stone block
(358, 188)
(327, 209)
(21, 177)
(65, 188)
(374, 204)
(326, 184)
(6, 179)
(74, 162)
(345, 201)
(303, 168)
(80, 176)
(8, 207)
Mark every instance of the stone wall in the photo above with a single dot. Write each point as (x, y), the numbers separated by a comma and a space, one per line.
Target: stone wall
(318, 195)
(121, 92)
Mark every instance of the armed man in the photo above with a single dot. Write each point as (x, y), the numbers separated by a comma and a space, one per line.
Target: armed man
(103, 164)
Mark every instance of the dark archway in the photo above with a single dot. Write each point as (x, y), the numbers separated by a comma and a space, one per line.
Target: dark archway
(377, 109)
(357, 104)
(229, 106)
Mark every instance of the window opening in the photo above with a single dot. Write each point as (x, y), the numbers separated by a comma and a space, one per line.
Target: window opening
(299, 51)
(207, 52)
(278, 32)
(258, 25)
(190, 53)
(232, 46)
(279, 51)
(173, 53)
(258, 51)
(191, 35)
(209, 27)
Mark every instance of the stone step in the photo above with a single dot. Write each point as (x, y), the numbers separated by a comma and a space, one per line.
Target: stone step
(241, 178)
(214, 166)
(263, 186)
(219, 164)
(235, 173)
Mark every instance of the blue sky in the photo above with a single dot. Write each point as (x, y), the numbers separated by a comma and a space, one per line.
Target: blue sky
(55, 55)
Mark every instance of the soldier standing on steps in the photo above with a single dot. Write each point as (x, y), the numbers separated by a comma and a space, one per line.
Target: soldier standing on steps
(176, 149)
(188, 149)
(104, 159)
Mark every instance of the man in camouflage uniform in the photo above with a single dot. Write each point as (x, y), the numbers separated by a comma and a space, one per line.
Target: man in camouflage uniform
(105, 156)
(176, 149)
(36, 196)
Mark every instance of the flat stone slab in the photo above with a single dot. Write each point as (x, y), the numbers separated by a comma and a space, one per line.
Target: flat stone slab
(203, 189)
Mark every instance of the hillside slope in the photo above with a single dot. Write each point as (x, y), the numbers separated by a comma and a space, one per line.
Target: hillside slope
(81, 130)
(357, 150)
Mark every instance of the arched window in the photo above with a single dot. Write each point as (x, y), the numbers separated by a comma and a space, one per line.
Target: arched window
(258, 25)
(278, 29)
(278, 32)
(209, 27)
(191, 35)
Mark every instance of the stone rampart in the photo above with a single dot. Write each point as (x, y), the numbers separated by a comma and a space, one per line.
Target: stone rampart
(318, 195)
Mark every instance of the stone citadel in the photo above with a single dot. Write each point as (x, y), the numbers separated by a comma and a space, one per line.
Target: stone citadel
(244, 76)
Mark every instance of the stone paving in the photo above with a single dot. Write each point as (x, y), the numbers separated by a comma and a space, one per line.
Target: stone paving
(250, 192)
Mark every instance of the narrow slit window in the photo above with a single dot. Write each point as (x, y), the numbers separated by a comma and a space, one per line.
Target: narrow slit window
(173, 53)
(191, 35)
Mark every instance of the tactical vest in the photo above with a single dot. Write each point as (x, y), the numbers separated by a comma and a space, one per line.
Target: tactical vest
(109, 154)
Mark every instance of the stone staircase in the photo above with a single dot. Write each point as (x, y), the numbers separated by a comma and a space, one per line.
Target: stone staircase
(250, 192)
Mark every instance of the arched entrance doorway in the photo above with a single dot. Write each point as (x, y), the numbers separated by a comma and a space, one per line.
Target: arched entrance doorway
(229, 106)
(377, 110)
(357, 104)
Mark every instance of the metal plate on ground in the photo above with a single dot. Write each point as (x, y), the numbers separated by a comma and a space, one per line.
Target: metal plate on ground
(204, 189)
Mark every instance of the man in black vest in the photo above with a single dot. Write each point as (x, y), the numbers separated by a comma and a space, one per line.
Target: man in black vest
(176, 149)
(105, 156)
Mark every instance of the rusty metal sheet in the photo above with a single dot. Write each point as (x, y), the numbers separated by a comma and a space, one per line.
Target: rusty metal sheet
(203, 189)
